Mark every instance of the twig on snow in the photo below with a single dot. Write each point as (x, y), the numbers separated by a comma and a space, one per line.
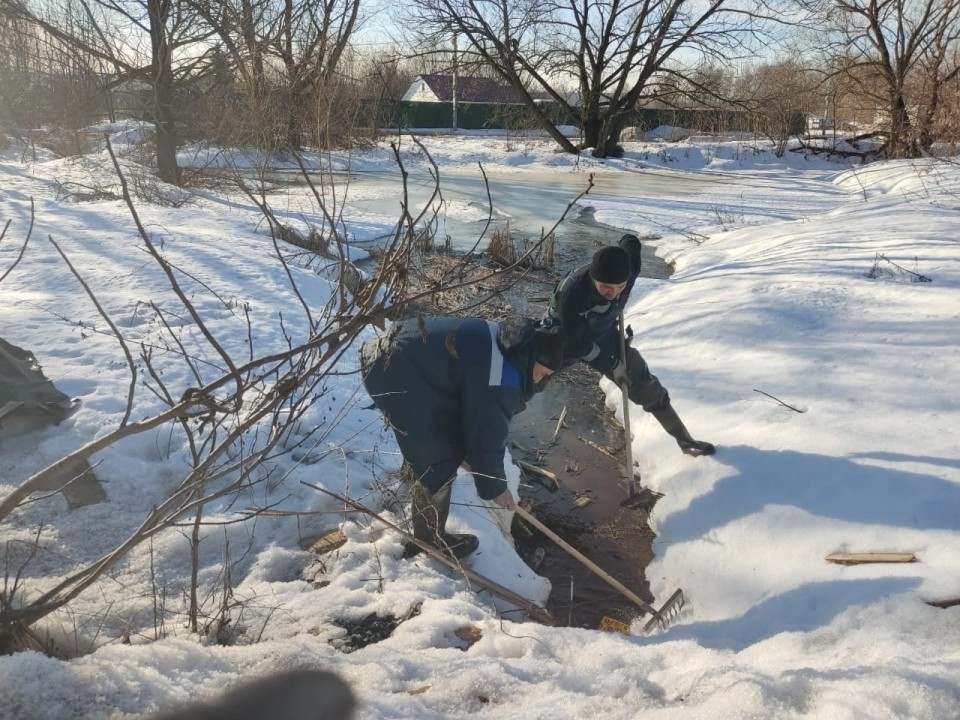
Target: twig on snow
(779, 401)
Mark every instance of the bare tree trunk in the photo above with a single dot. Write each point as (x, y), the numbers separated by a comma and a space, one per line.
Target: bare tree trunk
(193, 611)
(611, 135)
(253, 46)
(895, 48)
(901, 143)
(162, 69)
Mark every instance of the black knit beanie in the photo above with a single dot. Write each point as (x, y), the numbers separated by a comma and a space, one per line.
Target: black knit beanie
(548, 347)
(610, 265)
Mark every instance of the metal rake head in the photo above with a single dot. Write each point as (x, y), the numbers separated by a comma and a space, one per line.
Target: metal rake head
(667, 613)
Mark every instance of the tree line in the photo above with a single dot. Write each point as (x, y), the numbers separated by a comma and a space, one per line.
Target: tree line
(288, 73)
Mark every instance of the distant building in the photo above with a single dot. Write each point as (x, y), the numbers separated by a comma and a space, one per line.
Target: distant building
(822, 124)
(439, 89)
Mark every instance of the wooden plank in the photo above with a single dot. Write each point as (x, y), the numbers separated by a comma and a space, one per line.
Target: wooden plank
(326, 543)
(871, 557)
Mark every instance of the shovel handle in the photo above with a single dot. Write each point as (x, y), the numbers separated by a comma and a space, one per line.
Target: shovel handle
(627, 435)
(589, 564)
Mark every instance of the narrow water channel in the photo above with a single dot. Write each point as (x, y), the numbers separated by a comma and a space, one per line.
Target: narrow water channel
(585, 452)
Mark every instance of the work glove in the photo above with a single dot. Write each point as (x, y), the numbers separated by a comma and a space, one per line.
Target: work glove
(619, 374)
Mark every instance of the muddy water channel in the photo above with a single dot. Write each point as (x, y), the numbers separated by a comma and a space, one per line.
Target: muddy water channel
(585, 454)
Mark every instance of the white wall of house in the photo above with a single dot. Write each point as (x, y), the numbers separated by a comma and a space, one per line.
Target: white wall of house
(419, 91)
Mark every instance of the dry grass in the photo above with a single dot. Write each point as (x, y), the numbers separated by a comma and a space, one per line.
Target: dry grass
(506, 251)
(460, 286)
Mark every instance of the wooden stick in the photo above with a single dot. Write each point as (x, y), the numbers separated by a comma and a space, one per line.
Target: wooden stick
(554, 480)
(870, 557)
(596, 447)
(779, 401)
(563, 415)
(538, 471)
(589, 564)
(627, 435)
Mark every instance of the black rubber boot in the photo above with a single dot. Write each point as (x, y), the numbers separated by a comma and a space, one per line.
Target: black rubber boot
(671, 422)
(429, 523)
(458, 544)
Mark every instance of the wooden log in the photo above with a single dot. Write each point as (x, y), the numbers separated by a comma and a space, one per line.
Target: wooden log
(871, 557)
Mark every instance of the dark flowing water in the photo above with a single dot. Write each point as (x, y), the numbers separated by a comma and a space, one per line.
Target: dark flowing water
(617, 539)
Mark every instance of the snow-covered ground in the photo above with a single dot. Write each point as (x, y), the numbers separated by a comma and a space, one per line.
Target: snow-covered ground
(793, 334)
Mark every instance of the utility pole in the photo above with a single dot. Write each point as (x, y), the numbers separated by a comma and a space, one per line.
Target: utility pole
(454, 82)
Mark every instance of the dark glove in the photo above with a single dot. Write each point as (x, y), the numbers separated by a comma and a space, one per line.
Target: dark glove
(631, 243)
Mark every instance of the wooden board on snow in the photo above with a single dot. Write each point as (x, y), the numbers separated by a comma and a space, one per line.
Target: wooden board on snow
(871, 557)
(325, 543)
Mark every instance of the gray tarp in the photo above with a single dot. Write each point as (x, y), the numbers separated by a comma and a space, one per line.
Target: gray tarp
(24, 389)
(29, 401)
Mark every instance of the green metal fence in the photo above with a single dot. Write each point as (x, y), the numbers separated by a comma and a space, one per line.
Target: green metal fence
(479, 116)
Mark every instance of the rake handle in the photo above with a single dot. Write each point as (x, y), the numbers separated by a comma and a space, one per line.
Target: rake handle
(589, 564)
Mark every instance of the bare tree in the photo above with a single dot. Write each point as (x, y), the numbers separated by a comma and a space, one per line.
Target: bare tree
(610, 51)
(158, 43)
(286, 55)
(244, 28)
(45, 81)
(946, 126)
(901, 54)
(310, 41)
(777, 95)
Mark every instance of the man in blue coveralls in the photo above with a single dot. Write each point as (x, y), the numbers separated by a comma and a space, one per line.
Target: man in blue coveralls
(449, 387)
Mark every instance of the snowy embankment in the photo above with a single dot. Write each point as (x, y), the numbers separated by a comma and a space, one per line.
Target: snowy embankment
(809, 295)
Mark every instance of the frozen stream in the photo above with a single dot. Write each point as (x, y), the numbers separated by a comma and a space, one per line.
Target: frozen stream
(527, 202)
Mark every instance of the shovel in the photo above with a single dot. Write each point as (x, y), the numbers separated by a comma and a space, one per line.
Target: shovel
(643, 499)
(662, 617)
